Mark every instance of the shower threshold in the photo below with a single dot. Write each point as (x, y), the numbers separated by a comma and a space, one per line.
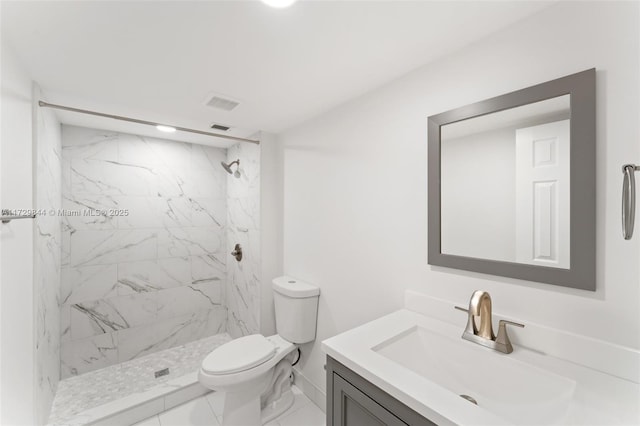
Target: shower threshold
(134, 390)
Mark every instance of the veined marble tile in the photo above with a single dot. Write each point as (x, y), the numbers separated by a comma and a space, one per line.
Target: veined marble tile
(48, 181)
(171, 182)
(89, 247)
(153, 275)
(250, 242)
(84, 355)
(236, 326)
(66, 227)
(112, 178)
(88, 283)
(209, 212)
(243, 224)
(172, 154)
(65, 174)
(95, 318)
(65, 252)
(179, 242)
(178, 301)
(249, 182)
(245, 279)
(207, 158)
(84, 136)
(48, 228)
(216, 323)
(80, 142)
(48, 248)
(243, 284)
(47, 258)
(206, 241)
(173, 242)
(239, 320)
(244, 213)
(116, 313)
(143, 212)
(205, 184)
(208, 323)
(113, 314)
(134, 179)
(93, 177)
(65, 323)
(243, 305)
(137, 244)
(170, 253)
(135, 149)
(88, 212)
(104, 247)
(176, 212)
(208, 268)
(141, 341)
(155, 212)
(105, 148)
(47, 337)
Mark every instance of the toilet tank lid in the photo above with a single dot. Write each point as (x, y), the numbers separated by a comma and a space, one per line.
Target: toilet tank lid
(294, 288)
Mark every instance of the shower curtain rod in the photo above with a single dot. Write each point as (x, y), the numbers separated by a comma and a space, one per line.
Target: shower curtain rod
(149, 123)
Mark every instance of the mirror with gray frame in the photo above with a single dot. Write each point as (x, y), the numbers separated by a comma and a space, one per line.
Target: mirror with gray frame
(512, 184)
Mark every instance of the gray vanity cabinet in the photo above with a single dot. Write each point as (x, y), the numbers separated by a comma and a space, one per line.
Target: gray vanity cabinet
(354, 401)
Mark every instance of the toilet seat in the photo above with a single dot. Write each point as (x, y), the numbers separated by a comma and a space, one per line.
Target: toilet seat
(216, 381)
(239, 355)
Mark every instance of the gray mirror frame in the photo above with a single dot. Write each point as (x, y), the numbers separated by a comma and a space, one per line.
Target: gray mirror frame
(582, 272)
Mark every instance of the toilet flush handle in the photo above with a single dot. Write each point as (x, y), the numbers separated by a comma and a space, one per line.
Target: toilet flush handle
(237, 252)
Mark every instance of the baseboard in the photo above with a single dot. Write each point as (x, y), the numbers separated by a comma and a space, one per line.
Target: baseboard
(313, 392)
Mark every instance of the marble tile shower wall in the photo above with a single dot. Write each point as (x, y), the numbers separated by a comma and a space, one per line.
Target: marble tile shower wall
(243, 218)
(154, 278)
(47, 249)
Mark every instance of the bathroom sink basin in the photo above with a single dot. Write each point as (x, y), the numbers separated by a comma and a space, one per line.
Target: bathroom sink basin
(425, 364)
(511, 389)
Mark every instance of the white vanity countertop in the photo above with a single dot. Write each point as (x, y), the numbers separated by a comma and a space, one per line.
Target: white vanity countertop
(598, 398)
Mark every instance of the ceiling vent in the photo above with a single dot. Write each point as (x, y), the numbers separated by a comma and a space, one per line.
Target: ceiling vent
(220, 127)
(222, 103)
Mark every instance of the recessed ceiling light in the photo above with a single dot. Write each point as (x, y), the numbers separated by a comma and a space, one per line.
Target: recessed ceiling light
(167, 129)
(279, 3)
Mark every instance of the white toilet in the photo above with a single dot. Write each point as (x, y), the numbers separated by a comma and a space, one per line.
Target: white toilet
(254, 371)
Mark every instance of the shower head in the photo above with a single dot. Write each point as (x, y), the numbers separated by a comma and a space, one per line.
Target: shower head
(227, 167)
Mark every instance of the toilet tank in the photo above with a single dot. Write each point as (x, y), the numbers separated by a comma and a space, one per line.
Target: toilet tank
(296, 309)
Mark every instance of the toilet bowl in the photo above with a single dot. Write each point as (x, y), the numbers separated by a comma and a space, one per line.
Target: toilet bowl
(244, 369)
(254, 371)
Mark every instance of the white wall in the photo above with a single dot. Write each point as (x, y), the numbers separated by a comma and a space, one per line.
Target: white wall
(478, 196)
(355, 181)
(17, 347)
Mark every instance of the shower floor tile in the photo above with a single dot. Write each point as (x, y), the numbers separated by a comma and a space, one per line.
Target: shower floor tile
(78, 394)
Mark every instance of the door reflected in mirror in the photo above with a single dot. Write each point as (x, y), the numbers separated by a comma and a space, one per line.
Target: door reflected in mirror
(505, 185)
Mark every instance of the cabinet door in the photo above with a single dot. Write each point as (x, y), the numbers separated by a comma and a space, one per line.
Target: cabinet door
(351, 407)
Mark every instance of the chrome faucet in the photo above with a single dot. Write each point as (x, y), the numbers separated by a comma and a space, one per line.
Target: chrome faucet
(479, 327)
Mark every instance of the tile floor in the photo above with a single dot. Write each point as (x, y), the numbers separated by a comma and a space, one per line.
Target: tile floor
(207, 411)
